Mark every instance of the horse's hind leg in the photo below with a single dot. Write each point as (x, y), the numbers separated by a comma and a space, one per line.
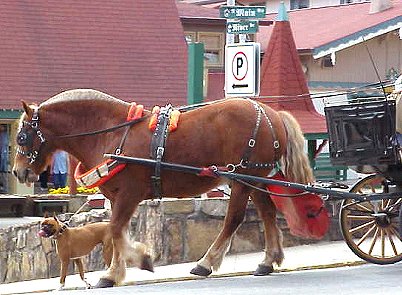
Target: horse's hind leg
(234, 217)
(272, 234)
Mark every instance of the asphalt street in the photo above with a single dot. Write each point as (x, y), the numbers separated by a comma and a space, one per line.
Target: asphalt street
(364, 279)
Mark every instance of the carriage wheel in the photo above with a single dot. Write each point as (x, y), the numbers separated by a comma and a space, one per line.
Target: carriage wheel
(370, 228)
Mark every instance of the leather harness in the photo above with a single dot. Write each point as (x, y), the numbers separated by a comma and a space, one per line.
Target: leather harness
(157, 148)
(159, 137)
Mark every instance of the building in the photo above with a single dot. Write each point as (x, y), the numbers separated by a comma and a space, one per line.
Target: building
(118, 47)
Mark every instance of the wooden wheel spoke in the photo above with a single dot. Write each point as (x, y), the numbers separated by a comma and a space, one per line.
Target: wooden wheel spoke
(393, 206)
(364, 208)
(352, 230)
(387, 204)
(394, 230)
(373, 241)
(391, 241)
(360, 217)
(364, 237)
(382, 235)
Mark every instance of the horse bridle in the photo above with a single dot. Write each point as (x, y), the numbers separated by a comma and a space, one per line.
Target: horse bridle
(25, 137)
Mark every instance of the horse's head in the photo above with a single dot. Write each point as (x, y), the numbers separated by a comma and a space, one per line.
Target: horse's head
(32, 156)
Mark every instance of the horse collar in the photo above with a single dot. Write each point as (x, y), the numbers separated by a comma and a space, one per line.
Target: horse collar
(104, 171)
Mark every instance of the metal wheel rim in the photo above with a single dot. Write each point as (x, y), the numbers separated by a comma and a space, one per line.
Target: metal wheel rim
(372, 238)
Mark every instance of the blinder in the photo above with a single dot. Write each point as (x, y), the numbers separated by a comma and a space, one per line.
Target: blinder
(25, 138)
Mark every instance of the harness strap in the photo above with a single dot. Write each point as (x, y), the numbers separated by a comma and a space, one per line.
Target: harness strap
(101, 173)
(157, 149)
(245, 162)
(135, 112)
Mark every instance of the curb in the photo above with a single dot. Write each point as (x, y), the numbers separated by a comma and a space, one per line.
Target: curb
(193, 278)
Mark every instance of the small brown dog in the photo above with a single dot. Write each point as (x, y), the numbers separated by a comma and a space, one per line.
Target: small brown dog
(74, 243)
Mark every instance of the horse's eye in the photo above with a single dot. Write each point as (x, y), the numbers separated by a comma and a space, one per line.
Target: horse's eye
(22, 139)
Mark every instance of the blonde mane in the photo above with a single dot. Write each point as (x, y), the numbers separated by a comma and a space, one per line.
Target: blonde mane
(295, 163)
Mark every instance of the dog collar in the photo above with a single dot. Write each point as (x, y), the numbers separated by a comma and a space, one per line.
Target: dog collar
(60, 232)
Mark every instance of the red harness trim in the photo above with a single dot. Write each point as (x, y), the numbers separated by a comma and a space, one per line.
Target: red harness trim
(173, 121)
(99, 174)
(104, 171)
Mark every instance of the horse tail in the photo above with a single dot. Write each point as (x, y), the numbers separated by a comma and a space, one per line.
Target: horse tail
(295, 163)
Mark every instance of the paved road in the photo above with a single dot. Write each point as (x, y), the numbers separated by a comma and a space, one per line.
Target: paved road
(365, 279)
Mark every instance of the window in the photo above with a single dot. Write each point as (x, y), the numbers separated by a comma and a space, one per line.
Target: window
(326, 62)
(213, 45)
(299, 4)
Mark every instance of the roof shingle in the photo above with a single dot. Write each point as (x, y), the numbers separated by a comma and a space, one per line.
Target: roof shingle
(283, 84)
(133, 50)
(315, 27)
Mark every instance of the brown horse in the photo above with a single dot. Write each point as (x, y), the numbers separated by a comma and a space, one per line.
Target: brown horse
(249, 137)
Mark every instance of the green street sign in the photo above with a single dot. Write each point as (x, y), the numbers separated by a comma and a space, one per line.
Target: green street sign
(242, 27)
(242, 12)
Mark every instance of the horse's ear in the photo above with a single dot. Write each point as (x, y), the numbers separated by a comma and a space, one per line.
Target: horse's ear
(46, 215)
(26, 107)
(55, 217)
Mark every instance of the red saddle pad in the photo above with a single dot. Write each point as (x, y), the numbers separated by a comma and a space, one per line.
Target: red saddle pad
(305, 215)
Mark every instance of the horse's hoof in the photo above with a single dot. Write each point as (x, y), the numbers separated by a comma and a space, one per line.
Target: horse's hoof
(263, 270)
(104, 283)
(147, 263)
(201, 271)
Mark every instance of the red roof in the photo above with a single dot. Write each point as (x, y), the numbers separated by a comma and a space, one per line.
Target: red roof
(315, 27)
(196, 11)
(283, 81)
(121, 47)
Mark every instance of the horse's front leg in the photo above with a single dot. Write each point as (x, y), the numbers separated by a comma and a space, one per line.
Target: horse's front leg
(234, 217)
(122, 212)
(273, 235)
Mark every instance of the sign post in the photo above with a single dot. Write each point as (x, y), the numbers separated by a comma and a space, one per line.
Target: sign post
(242, 60)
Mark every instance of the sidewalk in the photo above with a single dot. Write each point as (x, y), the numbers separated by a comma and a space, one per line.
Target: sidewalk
(320, 255)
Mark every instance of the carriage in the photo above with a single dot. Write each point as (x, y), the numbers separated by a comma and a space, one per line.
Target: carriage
(362, 135)
(215, 148)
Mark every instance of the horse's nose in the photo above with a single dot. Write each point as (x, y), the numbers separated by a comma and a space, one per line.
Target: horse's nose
(14, 172)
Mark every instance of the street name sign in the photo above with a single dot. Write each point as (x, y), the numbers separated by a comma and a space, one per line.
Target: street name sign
(242, 12)
(242, 69)
(242, 27)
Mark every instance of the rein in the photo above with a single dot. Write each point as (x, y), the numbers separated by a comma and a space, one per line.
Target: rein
(129, 123)
(105, 130)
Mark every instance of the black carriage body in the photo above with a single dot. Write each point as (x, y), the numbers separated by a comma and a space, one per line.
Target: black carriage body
(361, 133)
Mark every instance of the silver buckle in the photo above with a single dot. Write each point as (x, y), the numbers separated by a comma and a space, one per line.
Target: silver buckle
(159, 152)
